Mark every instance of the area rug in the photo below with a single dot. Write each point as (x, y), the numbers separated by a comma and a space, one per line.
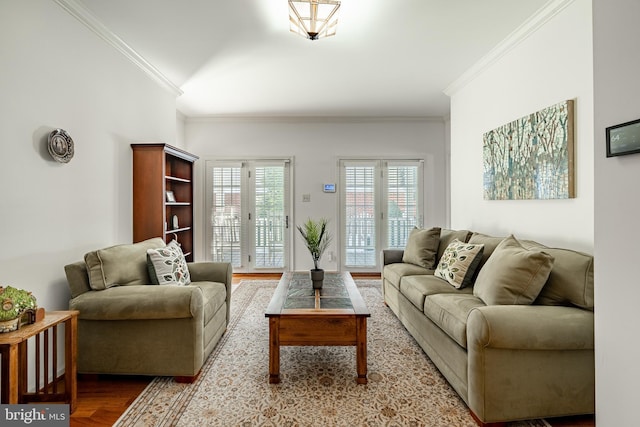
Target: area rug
(317, 386)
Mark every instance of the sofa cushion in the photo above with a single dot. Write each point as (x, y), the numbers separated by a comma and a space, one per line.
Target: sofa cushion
(447, 236)
(490, 244)
(167, 265)
(416, 288)
(459, 263)
(395, 272)
(450, 312)
(513, 274)
(136, 303)
(571, 279)
(120, 265)
(422, 247)
(152, 302)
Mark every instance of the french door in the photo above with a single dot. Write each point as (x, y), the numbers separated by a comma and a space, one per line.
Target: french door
(381, 202)
(248, 203)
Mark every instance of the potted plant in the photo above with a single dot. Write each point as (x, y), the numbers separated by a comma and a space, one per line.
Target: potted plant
(316, 238)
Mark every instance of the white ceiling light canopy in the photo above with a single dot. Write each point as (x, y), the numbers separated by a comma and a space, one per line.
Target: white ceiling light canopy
(313, 19)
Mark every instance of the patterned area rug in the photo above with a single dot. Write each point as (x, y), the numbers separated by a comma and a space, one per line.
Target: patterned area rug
(317, 383)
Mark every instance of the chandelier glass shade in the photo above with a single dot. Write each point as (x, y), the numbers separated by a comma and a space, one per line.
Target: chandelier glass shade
(313, 19)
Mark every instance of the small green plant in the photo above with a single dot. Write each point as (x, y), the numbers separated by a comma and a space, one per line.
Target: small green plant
(316, 238)
(14, 302)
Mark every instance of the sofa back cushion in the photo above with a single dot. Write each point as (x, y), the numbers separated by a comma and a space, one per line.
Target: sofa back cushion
(422, 247)
(120, 265)
(447, 236)
(513, 274)
(571, 279)
(490, 244)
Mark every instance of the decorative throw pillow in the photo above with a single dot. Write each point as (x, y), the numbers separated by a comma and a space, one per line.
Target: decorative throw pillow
(167, 266)
(459, 262)
(512, 274)
(422, 246)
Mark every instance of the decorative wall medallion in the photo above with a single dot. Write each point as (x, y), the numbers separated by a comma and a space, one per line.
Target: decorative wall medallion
(60, 146)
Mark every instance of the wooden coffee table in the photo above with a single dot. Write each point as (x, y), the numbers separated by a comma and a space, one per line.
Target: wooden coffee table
(335, 315)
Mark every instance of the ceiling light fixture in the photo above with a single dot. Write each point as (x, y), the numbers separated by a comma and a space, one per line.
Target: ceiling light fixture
(313, 19)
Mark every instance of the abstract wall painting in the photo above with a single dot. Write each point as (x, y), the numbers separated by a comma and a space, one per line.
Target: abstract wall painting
(532, 157)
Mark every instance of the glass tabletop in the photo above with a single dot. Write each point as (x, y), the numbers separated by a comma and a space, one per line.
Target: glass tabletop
(333, 295)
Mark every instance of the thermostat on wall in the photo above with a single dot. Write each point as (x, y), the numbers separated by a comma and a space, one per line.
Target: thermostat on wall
(329, 188)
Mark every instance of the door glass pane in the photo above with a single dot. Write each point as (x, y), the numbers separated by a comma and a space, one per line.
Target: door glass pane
(225, 215)
(360, 236)
(269, 217)
(402, 204)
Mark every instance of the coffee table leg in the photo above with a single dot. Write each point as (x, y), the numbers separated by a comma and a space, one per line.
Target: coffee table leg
(274, 350)
(361, 349)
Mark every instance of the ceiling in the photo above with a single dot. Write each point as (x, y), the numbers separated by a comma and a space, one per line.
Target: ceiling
(237, 57)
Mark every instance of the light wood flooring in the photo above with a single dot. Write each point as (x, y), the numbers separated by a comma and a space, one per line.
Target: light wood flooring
(102, 399)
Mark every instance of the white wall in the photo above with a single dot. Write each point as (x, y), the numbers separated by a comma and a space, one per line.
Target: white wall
(553, 64)
(54, 72)
(316, 145)
(617, 209)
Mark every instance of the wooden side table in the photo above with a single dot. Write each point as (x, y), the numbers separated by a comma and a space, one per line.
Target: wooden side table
(14, 375)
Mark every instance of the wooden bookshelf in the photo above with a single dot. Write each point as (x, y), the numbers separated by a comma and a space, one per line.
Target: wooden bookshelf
(158, 169)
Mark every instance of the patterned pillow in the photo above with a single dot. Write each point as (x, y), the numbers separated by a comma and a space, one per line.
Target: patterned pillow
(459, 262)
(167, 266)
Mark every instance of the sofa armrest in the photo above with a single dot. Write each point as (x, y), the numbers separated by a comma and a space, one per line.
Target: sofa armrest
(531, 327)
(221, 272)
(391, 256)
(529, 362)
(210, 272)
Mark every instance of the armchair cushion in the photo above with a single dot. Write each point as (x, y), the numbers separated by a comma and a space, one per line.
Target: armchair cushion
(120, 265)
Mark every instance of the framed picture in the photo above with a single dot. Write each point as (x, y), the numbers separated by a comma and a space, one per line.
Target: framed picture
(623, 139)
(531, 158)
(170, 197)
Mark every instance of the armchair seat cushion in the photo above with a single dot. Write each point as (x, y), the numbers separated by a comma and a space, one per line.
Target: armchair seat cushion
(142, 303)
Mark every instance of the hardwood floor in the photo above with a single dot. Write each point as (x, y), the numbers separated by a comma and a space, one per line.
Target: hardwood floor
(102, 399)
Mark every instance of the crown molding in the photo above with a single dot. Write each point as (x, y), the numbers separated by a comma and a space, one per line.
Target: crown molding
(82, 14)
(529, 27)
(180, 116)
(311, 119)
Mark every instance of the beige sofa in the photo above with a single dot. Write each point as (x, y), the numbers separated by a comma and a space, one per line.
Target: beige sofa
(506, 361)
(127, 325)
